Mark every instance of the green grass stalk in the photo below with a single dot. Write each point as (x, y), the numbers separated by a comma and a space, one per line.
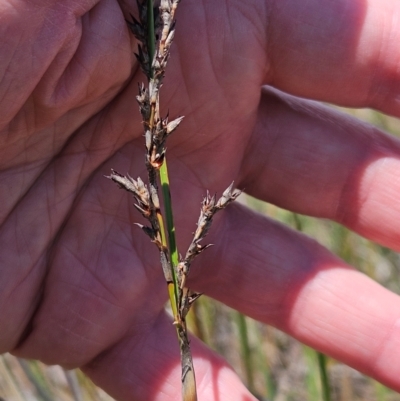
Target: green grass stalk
(323, 372)
(311, 381)
(173, 250)
(171, 246)
(37, 379)
(189, 392)
(322, 360)
(245, 351)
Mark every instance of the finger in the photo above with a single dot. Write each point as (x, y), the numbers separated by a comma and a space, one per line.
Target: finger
(147, 367)
(56, 66)
(344, 51)
(283, 278)
(316, 161)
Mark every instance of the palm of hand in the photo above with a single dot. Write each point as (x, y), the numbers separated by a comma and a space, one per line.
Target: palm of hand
(79, 280)
(67, 232)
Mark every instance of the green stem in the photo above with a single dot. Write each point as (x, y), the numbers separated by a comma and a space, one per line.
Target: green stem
(245, 350)
(173, 251)
(37, 379)
(151, 45)
(326, 391)
(173, 290)
(189, 392)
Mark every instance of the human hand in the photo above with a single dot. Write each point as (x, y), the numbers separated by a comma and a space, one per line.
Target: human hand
(82, 287)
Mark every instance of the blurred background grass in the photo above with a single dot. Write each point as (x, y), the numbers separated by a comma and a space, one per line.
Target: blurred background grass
(274, 366)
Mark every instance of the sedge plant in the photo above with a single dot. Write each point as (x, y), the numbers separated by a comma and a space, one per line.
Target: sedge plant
(155, 30)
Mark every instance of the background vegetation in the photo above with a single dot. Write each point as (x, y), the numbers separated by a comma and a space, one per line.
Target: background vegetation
(274, 366)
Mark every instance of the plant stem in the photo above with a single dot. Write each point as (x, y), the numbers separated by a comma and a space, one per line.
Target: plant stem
(151, 44)
(189, 392)
(173, 251)
(326, 391)
(173, 288)
(153, 59)
(245, 351)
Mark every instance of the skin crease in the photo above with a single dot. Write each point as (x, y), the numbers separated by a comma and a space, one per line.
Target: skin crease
(81, 286)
